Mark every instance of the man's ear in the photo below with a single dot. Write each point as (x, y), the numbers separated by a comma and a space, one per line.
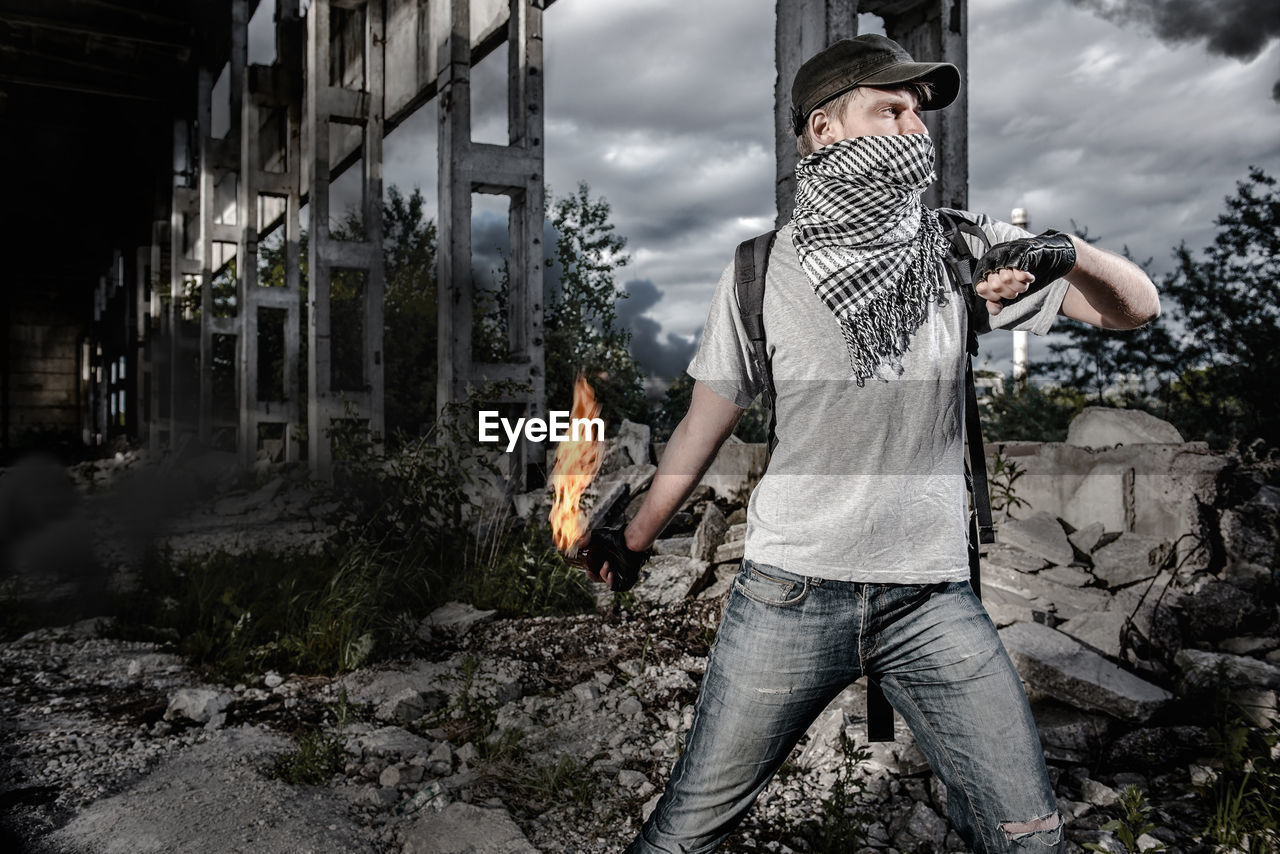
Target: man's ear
(822, 128)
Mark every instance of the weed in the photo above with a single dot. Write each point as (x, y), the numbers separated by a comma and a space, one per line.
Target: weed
(842, 826)
(564, 780)
(1245, 797)
(318, 756)
(1132, 824)
(1004, 475)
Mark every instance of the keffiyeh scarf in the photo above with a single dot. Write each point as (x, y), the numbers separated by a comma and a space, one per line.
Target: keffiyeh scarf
(867, 243)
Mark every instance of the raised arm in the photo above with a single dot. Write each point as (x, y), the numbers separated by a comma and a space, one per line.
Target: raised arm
(1109, 291)
(693, 445)
(1104, 289)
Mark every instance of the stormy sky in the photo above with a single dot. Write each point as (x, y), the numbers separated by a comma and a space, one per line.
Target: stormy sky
(1134, 119)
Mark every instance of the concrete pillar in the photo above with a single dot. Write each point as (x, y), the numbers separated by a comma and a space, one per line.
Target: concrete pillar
(219, 166)
(930, 30)
(156, 341)
(184, 266)
(271, 96)
(328, 104)
(514, 170)
(803, 28)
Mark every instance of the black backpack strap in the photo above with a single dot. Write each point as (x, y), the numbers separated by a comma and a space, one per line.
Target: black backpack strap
(750, 263)
(961, 263)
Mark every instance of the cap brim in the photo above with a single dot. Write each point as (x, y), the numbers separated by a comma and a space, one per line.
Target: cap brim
(943, 76)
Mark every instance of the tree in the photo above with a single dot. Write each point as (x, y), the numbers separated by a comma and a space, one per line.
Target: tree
(580, 317)
(1229, 306)
(1110, 366)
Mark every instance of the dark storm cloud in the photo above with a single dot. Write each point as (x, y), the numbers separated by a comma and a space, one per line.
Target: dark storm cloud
(1240, 29)
(661, 359)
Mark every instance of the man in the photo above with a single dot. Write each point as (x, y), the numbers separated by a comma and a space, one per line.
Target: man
(855, 557)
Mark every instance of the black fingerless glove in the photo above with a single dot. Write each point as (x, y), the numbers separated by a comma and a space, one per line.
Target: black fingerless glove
(607, 544)
(1047, 256)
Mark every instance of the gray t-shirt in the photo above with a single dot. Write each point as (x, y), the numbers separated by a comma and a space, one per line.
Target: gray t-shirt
(865, 483)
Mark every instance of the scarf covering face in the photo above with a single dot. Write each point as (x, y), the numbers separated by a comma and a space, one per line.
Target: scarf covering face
(869, 246)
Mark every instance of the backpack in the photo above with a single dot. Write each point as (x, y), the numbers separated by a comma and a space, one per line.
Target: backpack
(750, 262)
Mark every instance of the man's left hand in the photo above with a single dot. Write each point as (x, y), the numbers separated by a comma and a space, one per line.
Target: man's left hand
(1008, 270)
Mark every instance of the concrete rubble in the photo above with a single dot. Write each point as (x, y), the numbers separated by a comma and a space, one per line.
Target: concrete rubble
(556, 734)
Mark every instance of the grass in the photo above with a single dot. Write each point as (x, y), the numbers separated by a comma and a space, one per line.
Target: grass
(1244, 799)
(318, 756)
(843, 822)
(409, 537)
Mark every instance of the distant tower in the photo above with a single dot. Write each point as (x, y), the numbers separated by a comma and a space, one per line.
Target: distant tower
(1019, 218)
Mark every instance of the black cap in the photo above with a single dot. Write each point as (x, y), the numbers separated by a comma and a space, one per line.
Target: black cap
(869, 60)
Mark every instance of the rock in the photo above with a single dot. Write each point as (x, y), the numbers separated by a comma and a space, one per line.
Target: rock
(1104, 427)
(1248, 645)
(1067, 734)
(394, 775)
(378, 797)
(465, 829)
(667, 579)
(1207, 669)
(1130, 558)
(734, 550)
(1251, 535)
(587, 693)
(467, 753)
(1061, 667)
(1006, 607)
(710, 533)
(1156, 747)
(922, 829)
(637, 477)
(1219, 610)
(1098, 629)
(1047, 596)
(1010, 557)
(1039, 534)
(1098, 794)
(1086, 539)
(634, 439)
(410, 704)
(681, 546)
(390, 742)
(604, 495)
(458, 617)
(721, 583)
(1069, 576)
(629, 779)
(823, 749)
(202, 705)
(630, 707)
(273, 680)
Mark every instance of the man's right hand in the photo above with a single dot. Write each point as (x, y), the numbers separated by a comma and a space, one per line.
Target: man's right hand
(609, 560)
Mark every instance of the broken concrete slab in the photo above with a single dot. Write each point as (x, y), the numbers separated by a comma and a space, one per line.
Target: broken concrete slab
(603, 496)
(667, 579)
(1156, 490)
(1131, 558)
(388, 742)
(1061, 667)
(1202, 669)
(1069, 576)
(1006, 607)
(682, 546)
(730, 551)
(721, 583)
(201, 705)
(1068, 734)
(1098, 629)
(465, 829)
(1013, 557)
(1104, 427)
(1039, 534)
(1251, 535)
(1064, 601)
(710, 533)
(1086, 539)
(634, 439)
(458, 617)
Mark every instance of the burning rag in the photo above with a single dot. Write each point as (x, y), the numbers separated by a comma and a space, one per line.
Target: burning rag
(867, 243)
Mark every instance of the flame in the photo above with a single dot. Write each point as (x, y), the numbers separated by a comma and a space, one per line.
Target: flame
(575, 467)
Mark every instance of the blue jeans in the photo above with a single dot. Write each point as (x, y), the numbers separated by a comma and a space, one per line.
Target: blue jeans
(788, 645)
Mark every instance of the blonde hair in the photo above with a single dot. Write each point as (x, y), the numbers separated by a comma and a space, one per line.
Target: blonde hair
(806, 144)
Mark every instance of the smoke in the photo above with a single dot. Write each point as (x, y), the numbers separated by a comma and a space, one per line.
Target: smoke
(1240, 29)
